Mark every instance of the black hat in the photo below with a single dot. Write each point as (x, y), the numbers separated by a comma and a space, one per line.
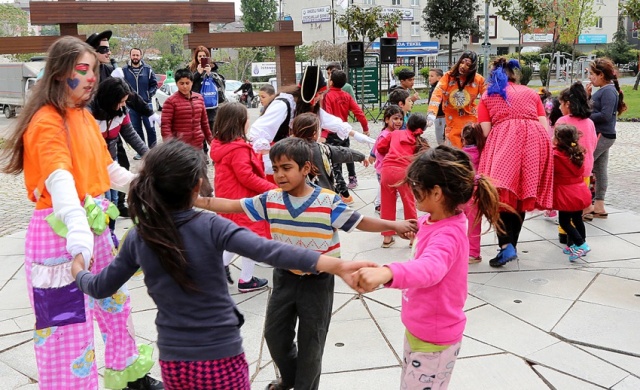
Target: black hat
(312, 82)
(95, 38)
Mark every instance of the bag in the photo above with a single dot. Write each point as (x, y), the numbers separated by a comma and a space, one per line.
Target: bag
(209, 93)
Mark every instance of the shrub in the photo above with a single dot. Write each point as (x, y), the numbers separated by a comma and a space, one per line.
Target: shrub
(525, 74)
(424, 72)
(544, 71)
(397, 69)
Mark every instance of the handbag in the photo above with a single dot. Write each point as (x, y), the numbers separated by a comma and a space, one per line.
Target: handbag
(209, 93)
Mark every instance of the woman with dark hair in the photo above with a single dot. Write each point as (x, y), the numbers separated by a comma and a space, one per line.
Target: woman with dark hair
(517, 154)
(606, 103)
(457, 90)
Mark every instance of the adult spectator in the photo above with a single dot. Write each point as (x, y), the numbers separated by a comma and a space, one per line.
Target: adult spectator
(246, 88)
(517, 155)
(142, 81)
(458, 90)
(606, 103)
(407, 79)
(347, 87)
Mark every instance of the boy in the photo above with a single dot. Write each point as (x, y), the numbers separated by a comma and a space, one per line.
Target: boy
(401, 98)
(435, 75)
(306, 215)
(346, 87)
(266, 94)
(339, 103)
(184, 115)
(407, 79)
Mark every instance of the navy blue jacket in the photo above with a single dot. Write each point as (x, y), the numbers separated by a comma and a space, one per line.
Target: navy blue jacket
(145, 84)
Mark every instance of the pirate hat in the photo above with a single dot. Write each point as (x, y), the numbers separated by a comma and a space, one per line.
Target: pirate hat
(312, 82)
(95, 38)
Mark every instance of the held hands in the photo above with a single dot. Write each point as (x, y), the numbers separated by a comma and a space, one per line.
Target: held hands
(347, 269)
(365, 162)
(406, 229)
(369, 278)
(430, 119)
(80, 264)
(362, 138)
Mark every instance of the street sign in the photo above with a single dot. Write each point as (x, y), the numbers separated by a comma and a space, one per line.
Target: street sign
(371, 79)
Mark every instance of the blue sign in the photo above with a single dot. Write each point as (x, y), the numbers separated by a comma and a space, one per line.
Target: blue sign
(586, 39)
(419, 48)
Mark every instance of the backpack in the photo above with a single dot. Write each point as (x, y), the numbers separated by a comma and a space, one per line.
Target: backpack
(209, 93)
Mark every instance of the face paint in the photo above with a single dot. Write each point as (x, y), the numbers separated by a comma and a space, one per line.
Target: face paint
(82, 69)
(73, 83)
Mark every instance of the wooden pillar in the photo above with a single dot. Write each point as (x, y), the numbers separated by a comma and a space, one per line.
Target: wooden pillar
(68, 28)
(200, 27)
(285, 57)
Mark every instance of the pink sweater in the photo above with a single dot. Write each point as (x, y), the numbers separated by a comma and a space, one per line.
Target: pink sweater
(379, 156)
(588, 140)
(434, 283)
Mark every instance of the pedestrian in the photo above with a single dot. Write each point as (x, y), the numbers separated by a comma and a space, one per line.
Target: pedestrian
(434, 282)
(606, 104)
(339, 103)
(67, 169)
(517, 153)
(570, 194)
(309, 216)
(399, 149)
(184, 115)
(238, 174)
(246, 89)
(393, 121)
(457, 91)
(180, 251)
(472, 144)
(435, 75)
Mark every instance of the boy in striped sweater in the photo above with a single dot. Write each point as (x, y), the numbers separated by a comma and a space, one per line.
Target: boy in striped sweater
(302, 214)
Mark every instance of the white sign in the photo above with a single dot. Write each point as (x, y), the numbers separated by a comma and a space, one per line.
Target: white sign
(317, 14)
(259, 69)
(407, 13)
(534, 38)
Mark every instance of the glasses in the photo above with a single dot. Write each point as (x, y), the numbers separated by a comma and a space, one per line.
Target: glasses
(103, 49)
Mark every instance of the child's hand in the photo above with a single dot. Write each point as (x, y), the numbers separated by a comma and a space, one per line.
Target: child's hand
(368, 279)
(349, 268)
(322, 140)
(371, 160)
(405, 227)
(79, 264)
(365, 162)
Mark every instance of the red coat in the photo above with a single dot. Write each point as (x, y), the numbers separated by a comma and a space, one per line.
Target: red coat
(570, 193)
(239, 173)
(186, 119)
(338, 103)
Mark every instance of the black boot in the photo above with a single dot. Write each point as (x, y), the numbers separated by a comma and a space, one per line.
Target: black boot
(145, 383)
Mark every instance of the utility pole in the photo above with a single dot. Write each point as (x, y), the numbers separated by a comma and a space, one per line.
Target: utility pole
(486, 46)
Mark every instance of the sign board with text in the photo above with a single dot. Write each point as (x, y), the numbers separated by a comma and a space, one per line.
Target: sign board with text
(316, 14)
(371, 80)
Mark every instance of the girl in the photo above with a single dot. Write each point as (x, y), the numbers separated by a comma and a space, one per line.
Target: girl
(180, 251)
(575, 108)
(57, 143)
(607, 102)
(570, 195)
(393, 120)
(307, 127)
(399, 149)
(434, 283)
(238, 174)
(472, 144)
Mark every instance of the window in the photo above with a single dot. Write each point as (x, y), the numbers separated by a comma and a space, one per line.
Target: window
(369, 2)
(415, 3)
(342, 33)
(395, 2)
(599, 23)
(415, 29)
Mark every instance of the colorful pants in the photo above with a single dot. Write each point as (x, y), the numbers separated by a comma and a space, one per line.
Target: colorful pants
(65, 354)
(230, 373)
(428, 370)
(389, 179)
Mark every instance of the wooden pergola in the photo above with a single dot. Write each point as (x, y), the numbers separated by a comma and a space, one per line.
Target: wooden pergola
(198, 13)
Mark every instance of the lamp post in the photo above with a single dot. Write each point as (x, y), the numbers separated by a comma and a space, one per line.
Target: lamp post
(486, 46)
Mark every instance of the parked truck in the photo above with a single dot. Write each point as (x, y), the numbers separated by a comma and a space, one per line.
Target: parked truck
(16, 79)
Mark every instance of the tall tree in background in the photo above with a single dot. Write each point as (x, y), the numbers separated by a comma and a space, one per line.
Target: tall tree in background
(13, 21)
(258, 15)
(520, 14)
(578, 14)
(631, 8)
(454, 18)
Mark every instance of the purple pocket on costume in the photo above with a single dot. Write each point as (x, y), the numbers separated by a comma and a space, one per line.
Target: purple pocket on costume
(58, 306)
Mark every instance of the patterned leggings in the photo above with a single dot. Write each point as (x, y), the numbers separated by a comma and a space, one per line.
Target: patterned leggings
(222, 374)
(428, 370)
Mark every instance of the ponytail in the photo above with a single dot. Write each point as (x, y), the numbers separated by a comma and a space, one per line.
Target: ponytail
(622, 106)
(567, 137)
(487, 199)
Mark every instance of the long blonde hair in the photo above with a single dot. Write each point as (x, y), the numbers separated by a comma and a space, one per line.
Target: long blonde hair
(51, 90)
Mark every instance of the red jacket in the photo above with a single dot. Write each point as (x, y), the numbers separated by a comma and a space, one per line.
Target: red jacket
(186, 119)
(239, 174)
(570, 193)
(398, 148)
(338, 103)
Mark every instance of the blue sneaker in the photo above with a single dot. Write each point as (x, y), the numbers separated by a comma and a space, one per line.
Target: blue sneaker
(568, 250)
(505, 255)
(579, 251)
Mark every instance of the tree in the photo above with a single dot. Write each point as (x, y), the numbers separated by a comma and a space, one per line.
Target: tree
(578, 14)
(238, 68)
(630, 8)
(13, 21)
(328, 51)
(258, 15)
(520, 14)
(454, 18)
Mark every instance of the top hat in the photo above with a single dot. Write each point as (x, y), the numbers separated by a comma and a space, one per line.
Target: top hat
(95, 38)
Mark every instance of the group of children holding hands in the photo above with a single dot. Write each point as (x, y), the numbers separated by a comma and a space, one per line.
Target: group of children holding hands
(290, 223)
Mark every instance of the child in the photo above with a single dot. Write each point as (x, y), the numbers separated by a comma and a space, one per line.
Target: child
(472, 143)
(184, 115)
(339, 103)
(392, 121)
(180, 252)
(554, 113)
(238, 174)
(67, 169)
(434, 78)
(434, 283)
(575, 108)
(325, 157)
(399, 149)
(266, 94)
(402, 99)
(308, 216)
(570, 195)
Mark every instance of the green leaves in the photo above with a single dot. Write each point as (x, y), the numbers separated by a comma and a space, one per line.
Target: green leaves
(258, 15)
(367, 24)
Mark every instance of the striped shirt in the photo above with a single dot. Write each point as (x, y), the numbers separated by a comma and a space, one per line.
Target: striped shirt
(311, 222)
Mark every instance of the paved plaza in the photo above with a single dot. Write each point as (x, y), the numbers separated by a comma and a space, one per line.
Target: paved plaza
(540, 323)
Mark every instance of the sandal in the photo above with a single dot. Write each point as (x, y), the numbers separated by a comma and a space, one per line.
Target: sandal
(587, 217)
(389, 244)
(600, 215)
(275, 385)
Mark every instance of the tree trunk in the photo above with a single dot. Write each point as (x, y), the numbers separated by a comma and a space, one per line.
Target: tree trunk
(450, 50)
(635, 85)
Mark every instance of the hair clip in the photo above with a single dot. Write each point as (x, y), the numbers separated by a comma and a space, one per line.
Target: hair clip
(573, 144)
